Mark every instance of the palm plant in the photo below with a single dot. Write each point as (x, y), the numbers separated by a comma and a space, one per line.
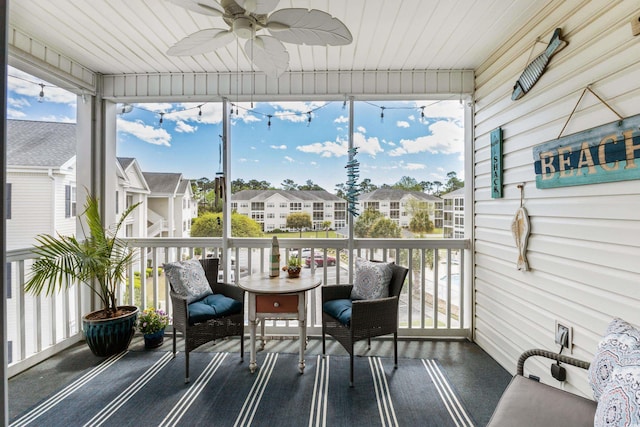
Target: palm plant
(100, 260)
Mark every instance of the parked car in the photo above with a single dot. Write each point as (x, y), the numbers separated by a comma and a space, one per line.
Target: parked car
(305, 253)
(318, 260)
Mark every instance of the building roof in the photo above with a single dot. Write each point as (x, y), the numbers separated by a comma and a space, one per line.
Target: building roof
(453, 194)
(43, 144)
(307, 195)
(395, 194)
(183, 186)
(125, 162)
(162, 182)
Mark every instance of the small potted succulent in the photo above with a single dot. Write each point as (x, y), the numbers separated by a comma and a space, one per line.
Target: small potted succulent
(293, 267)
(151, 323)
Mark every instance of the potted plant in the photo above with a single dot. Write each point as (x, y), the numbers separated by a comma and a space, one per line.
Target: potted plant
(100, 261)
(293, 267)
(152, 323)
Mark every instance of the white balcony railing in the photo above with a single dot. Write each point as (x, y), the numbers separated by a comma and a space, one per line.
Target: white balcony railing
(435, 301)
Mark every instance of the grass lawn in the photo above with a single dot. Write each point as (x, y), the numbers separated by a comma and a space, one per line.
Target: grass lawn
(305, 235)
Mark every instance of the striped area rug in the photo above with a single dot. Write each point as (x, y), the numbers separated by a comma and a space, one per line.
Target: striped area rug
(146, 388)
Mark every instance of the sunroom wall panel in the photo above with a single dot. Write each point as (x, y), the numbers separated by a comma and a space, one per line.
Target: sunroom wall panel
(583, 248)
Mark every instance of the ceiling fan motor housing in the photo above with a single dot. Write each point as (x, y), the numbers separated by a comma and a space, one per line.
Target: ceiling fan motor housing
(243, 27)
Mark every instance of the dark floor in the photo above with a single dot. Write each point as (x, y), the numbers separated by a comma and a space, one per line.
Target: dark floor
(477, 378)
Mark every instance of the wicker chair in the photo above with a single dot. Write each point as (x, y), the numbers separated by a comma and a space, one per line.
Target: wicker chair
(211, 329)
(369, 318)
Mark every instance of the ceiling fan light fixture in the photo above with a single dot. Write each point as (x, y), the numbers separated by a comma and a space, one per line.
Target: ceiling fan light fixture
(243, 27)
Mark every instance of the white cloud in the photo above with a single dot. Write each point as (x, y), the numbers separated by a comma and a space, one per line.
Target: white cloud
(325, 149)
(361, 129)
(27, 85)
(59, 119)
(292, 116)
(289, 159)
(446, 137)
(278, 147)
(342, 119)
(158, 107)
(413, 166)
(370, 146)
(402, 124)
(18, 102)
(146, 133)
(15, 114)
(299, 107)
(183, 127)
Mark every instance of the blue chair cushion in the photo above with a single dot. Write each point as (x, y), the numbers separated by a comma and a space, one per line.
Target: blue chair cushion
(339, 309)
(212, 307)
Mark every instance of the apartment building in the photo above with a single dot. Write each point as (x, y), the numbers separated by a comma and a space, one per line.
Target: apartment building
(399, 205)
(453, 214)
(270, 208)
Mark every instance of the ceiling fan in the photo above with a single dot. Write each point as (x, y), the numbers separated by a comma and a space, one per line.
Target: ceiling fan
(246, 18)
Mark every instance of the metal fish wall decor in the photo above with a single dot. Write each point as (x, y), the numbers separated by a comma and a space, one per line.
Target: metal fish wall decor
(534, 70)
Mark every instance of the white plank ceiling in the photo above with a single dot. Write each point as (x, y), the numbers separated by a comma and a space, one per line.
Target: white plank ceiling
(116, 37)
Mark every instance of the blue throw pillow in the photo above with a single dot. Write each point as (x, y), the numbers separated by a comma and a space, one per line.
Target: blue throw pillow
(339, 309)
(188, 279)
(212, 307)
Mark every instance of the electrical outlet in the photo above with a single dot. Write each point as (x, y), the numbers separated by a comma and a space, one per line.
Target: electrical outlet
(564, 335)
(635, 26)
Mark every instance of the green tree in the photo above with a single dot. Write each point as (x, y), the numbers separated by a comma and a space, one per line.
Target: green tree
(420, 223)
(326, 225)
(288, 184)
(453, 183)
(253, 184)
(427, 186)
(365, 221)
(341, 190)
(437, 185)
(299, 221)
(310, 186)
(408, 183)
(366, 186)
(210, 225)
(384, 228)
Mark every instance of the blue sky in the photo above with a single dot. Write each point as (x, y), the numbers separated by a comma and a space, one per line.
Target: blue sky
(400, 144)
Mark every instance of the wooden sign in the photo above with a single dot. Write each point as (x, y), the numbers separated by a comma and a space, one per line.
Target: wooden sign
(607, 153)
(496, 163)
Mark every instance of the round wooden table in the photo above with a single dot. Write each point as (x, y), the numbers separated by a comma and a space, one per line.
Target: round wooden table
(278, 298)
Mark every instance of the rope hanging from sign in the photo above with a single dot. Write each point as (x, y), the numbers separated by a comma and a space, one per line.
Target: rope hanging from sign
(588, 88)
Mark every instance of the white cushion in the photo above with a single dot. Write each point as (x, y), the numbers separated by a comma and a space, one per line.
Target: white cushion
(371, 279)
(188, 279)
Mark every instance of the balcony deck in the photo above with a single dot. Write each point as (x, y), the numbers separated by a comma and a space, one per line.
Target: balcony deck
(478, 379)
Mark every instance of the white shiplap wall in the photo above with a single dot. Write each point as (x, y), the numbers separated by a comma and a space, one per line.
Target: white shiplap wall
(31, 208)
(584, 247)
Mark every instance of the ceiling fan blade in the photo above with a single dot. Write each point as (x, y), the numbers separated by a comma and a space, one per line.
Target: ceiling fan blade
(260, 7)
(268, 54)
(311, 27)
(201, 42)
(205, 7)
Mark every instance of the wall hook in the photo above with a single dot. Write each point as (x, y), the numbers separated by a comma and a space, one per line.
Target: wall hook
(521, 187)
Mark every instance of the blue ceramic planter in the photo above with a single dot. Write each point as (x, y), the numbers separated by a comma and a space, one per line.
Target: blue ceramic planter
(154, 340)
(106, 337)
